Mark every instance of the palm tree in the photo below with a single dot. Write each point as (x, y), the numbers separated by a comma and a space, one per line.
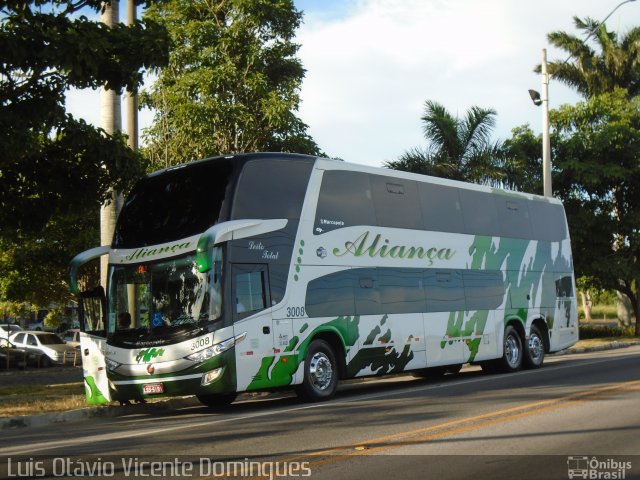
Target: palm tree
(459, 149)
(111, 121)
(616, 64)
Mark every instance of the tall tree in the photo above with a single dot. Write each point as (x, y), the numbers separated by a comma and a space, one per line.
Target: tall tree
(111, 122)
(54, 169)
(232, 83)
(458, 148)
(524, 150)
(597, 152)
(614, 63)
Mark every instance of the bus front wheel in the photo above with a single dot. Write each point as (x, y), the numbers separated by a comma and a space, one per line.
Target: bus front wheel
(320, 373)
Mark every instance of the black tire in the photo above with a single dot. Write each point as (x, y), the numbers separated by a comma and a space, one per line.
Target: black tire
(511, 360)
(217, 402)
(534, 353)
(45, 362)
(320, 380)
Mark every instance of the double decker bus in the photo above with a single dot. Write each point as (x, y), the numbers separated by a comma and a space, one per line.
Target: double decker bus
(269, 270)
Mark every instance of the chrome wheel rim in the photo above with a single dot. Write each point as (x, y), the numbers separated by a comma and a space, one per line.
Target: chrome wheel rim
(320, 371)
(535, 348)
(512, 351)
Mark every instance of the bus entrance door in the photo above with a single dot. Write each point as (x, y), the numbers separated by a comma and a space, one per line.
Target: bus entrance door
(93, 344)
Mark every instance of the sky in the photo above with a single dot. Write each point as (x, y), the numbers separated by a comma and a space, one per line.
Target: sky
(372, 64)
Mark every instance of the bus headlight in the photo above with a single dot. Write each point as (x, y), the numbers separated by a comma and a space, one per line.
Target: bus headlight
(211, 376)
(217, 349)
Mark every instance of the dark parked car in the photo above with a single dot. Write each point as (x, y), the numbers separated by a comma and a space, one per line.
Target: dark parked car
(16, 357)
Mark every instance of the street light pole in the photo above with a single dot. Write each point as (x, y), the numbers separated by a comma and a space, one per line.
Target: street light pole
(544, 101)
(546, 140)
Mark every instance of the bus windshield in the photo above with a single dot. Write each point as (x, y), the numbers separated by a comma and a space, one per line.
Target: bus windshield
(169, 293)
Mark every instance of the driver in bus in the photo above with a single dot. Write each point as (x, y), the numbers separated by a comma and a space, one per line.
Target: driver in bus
(124, 320)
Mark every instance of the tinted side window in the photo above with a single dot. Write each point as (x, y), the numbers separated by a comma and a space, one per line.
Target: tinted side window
(250, 289)
(564, 287)
(177, 203)
(396, 202)
(373, 291)
(366, 293)
(401, 290)
(331, 295)
(271, 188)
(345, 200)
(547, 221)
(19, 338)
(441, 209)
(31, 341)
(479, 213)
(444, 290)
(484, 290)
(513, 215)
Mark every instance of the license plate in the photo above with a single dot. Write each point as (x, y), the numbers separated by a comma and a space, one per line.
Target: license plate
(152, 388)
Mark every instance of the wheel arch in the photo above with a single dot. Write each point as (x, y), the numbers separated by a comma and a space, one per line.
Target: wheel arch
(544, 330)
(336, 342)
(516, 323)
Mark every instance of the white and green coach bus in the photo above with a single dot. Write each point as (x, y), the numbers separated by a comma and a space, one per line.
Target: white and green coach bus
(263, 271)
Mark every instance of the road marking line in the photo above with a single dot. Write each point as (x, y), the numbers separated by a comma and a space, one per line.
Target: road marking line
(33, 448)
(462, 425)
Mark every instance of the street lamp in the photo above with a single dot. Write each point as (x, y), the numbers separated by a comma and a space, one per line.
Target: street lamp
(543, 100)
(546, 137)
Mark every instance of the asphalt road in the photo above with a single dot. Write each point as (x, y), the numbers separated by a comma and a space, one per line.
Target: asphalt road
(578, 414)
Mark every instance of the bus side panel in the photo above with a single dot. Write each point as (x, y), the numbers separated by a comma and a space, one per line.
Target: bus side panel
(388, 344)
(564, 328)
(94, 369)
(443, 345)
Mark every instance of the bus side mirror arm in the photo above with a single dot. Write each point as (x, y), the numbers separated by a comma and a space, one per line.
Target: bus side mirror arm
(81, 259)
(234, 229)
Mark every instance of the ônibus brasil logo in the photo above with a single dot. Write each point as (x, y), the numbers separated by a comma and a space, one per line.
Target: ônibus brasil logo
(581, 466)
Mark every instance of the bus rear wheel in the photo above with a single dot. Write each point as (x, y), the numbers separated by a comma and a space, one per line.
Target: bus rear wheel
(217, 401)
(534, 353)
(511, 360)
(320, 380)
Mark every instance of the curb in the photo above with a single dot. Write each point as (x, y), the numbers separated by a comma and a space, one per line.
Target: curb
(26, 421)
(597, 348)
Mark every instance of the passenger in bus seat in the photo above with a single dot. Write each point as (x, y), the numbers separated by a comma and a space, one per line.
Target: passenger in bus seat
(124, 320)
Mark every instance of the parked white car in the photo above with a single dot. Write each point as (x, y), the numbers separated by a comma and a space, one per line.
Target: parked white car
(72, 337)
(51, 348)
(6, 330)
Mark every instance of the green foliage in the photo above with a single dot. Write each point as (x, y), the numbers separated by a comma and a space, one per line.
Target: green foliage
(56, 170)
(524, 149)
(592, 72)
(600, 331)
(34, 268)
(56, 317)
(232, 83)
(459, 148)
(12, 312)
(597, 154)
(50, 162)
(599, 296)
